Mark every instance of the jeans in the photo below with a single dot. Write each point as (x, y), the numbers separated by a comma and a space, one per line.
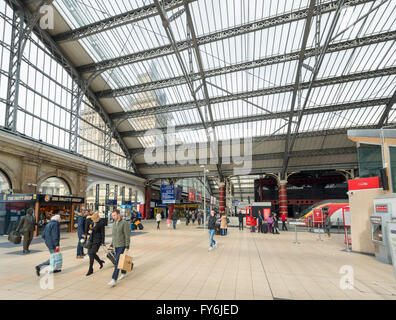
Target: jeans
(80, 248)
(174, 224)
(211, 235)
(46, 263)
(119, 251)
(240, 225)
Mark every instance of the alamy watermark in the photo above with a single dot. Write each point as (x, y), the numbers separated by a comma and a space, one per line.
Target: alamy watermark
(170, 150)
(47, 17)
(347, 280)
(47, 279)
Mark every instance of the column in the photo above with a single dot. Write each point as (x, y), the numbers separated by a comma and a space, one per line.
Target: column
(283, 208)
(222, 198)
(147, 202)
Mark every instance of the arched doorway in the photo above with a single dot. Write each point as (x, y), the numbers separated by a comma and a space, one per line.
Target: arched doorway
(55, 186)
(5, 184)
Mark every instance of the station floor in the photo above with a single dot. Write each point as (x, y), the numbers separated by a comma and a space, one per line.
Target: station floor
(176, 264)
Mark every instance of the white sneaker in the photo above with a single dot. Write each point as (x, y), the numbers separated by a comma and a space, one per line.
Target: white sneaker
(122, 276)
(210, 249)
(112, 283)
(86, 256)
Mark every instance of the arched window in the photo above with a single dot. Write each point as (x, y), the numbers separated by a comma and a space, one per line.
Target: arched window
(55, 186)
(5, 185)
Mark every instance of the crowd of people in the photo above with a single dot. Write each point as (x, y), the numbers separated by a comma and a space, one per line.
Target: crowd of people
(91, 235)
(264, 224)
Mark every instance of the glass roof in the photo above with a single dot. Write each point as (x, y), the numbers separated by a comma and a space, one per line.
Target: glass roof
(219, 51)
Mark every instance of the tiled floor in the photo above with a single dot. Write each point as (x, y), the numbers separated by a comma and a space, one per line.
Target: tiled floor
(177, 265)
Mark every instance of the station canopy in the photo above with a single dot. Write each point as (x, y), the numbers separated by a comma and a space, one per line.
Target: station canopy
(292, 75)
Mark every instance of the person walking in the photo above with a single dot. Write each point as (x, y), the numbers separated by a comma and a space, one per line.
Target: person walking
(121, 238)
(199, 218)
(260, 219)
(158, 217)
(283, 217)
(193, 217)
(223, 225)
(81, 222)
(175, 217)
(327, 223)
(95, 231)
(27, 225)
(51, 236)
(270, 221)
(240, 218)
(212, 227)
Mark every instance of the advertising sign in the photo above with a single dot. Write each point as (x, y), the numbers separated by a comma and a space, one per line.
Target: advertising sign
(171, 194)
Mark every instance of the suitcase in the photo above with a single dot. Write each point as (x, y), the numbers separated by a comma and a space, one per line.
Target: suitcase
(14, 237)
(111, 256)
(140, 226)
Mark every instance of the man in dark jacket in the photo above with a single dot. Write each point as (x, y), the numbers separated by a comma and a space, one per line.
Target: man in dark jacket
(240, 217)
(81, 223)
(51, 236)
(175, 217)
(27, 224)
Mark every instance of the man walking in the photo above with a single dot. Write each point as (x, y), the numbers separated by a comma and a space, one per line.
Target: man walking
(27, 224)
(175, 216)
(240, 217)
(121, 237)
(283, 217)
(51, 236)
(81, 220)
(327, 224)
(158, 217)
(212, 227)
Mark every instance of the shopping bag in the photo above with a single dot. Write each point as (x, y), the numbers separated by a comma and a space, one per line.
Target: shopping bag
(178, 222)
(56, 261)
(125, 262)
(14, 237)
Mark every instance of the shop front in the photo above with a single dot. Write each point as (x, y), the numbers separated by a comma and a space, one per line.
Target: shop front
(14, 207)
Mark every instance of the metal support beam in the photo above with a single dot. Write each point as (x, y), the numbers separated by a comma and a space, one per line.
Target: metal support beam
(384, 118)
(251, 94)
(267, 61)
(117, 21)
(263, 117)
(220, 35)
(297, 86)
(278, 137)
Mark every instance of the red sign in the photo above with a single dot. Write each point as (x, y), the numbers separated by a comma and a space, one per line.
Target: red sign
(250, 221)
(363, 184)
(381, 208)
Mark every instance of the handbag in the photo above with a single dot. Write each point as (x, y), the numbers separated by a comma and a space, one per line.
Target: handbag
(15, 237)
(87, 243)
(178, 222)
(56, 261)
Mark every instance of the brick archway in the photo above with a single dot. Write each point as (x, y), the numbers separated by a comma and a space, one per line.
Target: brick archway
(55, 174)
(11, 176)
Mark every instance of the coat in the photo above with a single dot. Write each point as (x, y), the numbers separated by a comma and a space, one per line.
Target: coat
(121, 234)
(175, 216)
(51, 235)
(223, 222)
(81, 221)
(98, 231)
(27, 223)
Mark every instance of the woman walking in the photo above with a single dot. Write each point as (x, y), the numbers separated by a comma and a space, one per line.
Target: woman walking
(158, 217)
(96, 237)
(223, 225)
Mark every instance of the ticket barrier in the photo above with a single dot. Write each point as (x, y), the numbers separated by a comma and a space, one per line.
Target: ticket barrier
(381, 221)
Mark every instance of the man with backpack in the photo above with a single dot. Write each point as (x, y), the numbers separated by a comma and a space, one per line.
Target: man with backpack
(27, 224)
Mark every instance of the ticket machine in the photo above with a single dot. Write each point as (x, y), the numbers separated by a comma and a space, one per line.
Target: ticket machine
(384, 215)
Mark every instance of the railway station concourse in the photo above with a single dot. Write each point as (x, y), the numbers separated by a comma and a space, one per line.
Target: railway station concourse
(277, 117)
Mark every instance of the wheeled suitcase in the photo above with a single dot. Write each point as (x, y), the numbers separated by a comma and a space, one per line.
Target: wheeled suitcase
(265, 228)
(140, 226)
(110, 255)
(14, 237)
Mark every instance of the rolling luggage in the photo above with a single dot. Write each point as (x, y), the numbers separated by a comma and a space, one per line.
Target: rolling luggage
(14, 237)
(265, 228)
(140, 226)
(110, 255)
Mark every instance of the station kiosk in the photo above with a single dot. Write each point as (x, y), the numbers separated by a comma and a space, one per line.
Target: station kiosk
(384, 215)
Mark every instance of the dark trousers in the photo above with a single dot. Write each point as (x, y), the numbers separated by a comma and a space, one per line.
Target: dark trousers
(240, 225)
(93, 256)
(46, 263)
(174, 224)
(158, 223)
(80, 248)
(118, 252)
(284, 227)
(27, 240)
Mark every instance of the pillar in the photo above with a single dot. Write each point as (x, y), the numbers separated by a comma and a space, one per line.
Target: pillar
(283, 208)
(147, 202)
(222, 198)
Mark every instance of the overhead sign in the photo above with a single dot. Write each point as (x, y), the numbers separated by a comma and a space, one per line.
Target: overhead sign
(171, 194)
